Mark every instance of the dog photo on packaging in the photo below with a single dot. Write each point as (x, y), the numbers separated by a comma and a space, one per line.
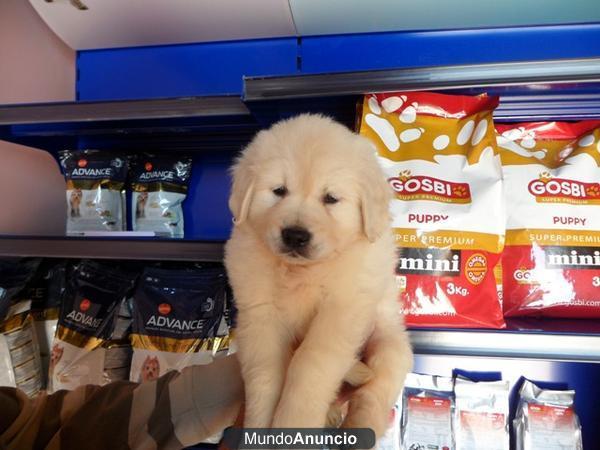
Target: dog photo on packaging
(311, 261)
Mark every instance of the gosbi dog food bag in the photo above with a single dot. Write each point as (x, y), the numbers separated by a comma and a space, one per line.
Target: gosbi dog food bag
(95, 190)
(86, 324)
(546, 419)
(551, 263)
(427, 413)
(159, 187)
(439, 155)
(176, 318)
(481, 415)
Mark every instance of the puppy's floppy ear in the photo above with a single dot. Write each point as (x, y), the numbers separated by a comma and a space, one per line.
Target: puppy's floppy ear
(242, 190)
(375, 199)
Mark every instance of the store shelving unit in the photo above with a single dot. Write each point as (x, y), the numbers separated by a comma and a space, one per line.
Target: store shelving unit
(111, 248)
(559, 89)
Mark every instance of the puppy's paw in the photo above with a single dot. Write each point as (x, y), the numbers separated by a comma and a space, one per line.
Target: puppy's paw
(359, 374)
(366, 412)
(334, 416)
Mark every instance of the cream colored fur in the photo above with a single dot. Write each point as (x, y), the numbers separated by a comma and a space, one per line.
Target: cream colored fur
(305, 321)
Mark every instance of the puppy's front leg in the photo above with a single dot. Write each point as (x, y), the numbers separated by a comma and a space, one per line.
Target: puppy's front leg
(264, 352)
(318, 367)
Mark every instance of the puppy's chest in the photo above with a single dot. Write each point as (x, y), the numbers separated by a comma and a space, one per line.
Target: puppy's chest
(298, 303)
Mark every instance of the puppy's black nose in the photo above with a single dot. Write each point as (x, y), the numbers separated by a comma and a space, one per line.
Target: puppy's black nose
(295, 237)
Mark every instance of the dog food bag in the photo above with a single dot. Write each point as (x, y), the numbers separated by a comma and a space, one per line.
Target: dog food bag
(427, 413)
(20, 364)
(439, 155)
(95, 190)
(86, 322)
(546, 420)
(551, 262)
(19, 350)
(15, 274)
(159, 187)
(481, 415)
(176, 316)
(46, 290)
(117, 359)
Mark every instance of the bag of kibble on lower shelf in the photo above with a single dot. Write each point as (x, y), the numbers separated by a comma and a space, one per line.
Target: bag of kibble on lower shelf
(551, 262)
(482, 411)
(95, 190)
(439, 155)
(46, 291)
(20, 363)
(86, 324)
(427, 412)
(546, 420)
(177, 317)
(159, 186)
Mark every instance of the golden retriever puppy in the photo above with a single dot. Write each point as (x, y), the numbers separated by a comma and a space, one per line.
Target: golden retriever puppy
(311, 261)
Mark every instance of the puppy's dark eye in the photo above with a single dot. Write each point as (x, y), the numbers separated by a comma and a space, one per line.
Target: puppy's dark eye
(280, 191)
(329, 199)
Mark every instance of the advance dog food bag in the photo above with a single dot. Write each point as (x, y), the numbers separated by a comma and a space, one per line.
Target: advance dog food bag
(95, 190)
(551, 263)
(46, 291)
(20, 363)
(439, 155)
(177, 316)
(86, 325)
(159, 187)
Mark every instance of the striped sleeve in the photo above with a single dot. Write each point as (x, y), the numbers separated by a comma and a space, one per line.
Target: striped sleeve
(177, 410)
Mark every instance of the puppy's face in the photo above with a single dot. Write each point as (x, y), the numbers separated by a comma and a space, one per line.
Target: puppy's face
(309, 188)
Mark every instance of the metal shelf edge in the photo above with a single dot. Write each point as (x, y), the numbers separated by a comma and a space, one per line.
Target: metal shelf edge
(112, 249)
(569, 347)
(431, 78)
(122, 110)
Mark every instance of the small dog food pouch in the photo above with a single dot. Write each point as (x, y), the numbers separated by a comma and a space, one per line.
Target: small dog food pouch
(427, 413)
(95, 190)
(159, 187)
(546, 419)
(176, 318)
(439, 155)
(551, 263)
(86, 324)
(482, 410)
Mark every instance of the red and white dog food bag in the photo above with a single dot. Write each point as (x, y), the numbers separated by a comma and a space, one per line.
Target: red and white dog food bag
(481, 414)
(440, 158)
(551, 263)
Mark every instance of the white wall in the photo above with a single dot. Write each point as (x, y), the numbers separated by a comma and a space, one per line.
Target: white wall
(35, 65)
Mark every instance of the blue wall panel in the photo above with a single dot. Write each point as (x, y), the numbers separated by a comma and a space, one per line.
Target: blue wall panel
(428, 48)
(218, 68)
(205, 210)
(180, 70)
